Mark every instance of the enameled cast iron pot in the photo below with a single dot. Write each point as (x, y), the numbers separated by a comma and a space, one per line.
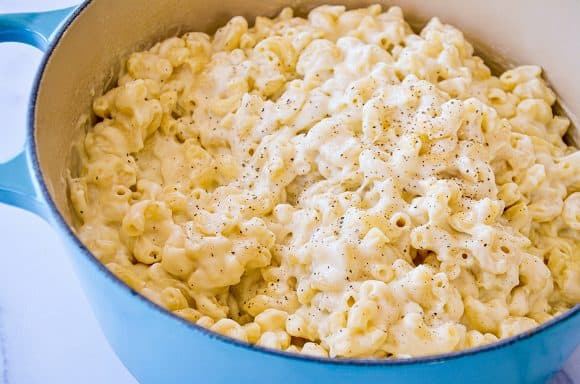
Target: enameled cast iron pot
(84, 49)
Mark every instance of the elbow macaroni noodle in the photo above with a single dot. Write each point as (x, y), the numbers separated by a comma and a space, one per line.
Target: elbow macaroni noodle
(335, 186)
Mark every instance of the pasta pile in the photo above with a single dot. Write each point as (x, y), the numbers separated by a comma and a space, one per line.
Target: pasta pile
(335, 186)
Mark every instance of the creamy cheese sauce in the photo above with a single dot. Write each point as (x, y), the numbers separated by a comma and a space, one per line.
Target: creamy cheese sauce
(335, 186)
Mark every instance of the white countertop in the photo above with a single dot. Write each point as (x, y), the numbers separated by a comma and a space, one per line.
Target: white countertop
(47, 331)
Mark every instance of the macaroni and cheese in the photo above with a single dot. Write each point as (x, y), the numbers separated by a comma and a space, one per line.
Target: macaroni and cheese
(335, 185)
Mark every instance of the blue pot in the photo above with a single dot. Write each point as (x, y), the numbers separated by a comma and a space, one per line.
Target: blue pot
(155, 345)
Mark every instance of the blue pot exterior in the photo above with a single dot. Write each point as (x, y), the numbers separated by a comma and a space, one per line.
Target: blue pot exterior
(158, 347)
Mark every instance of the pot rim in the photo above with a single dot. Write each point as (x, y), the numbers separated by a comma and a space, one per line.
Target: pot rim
(68, 232)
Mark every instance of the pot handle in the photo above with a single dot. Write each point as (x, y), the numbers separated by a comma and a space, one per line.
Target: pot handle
(18, 186)
(35, 28)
